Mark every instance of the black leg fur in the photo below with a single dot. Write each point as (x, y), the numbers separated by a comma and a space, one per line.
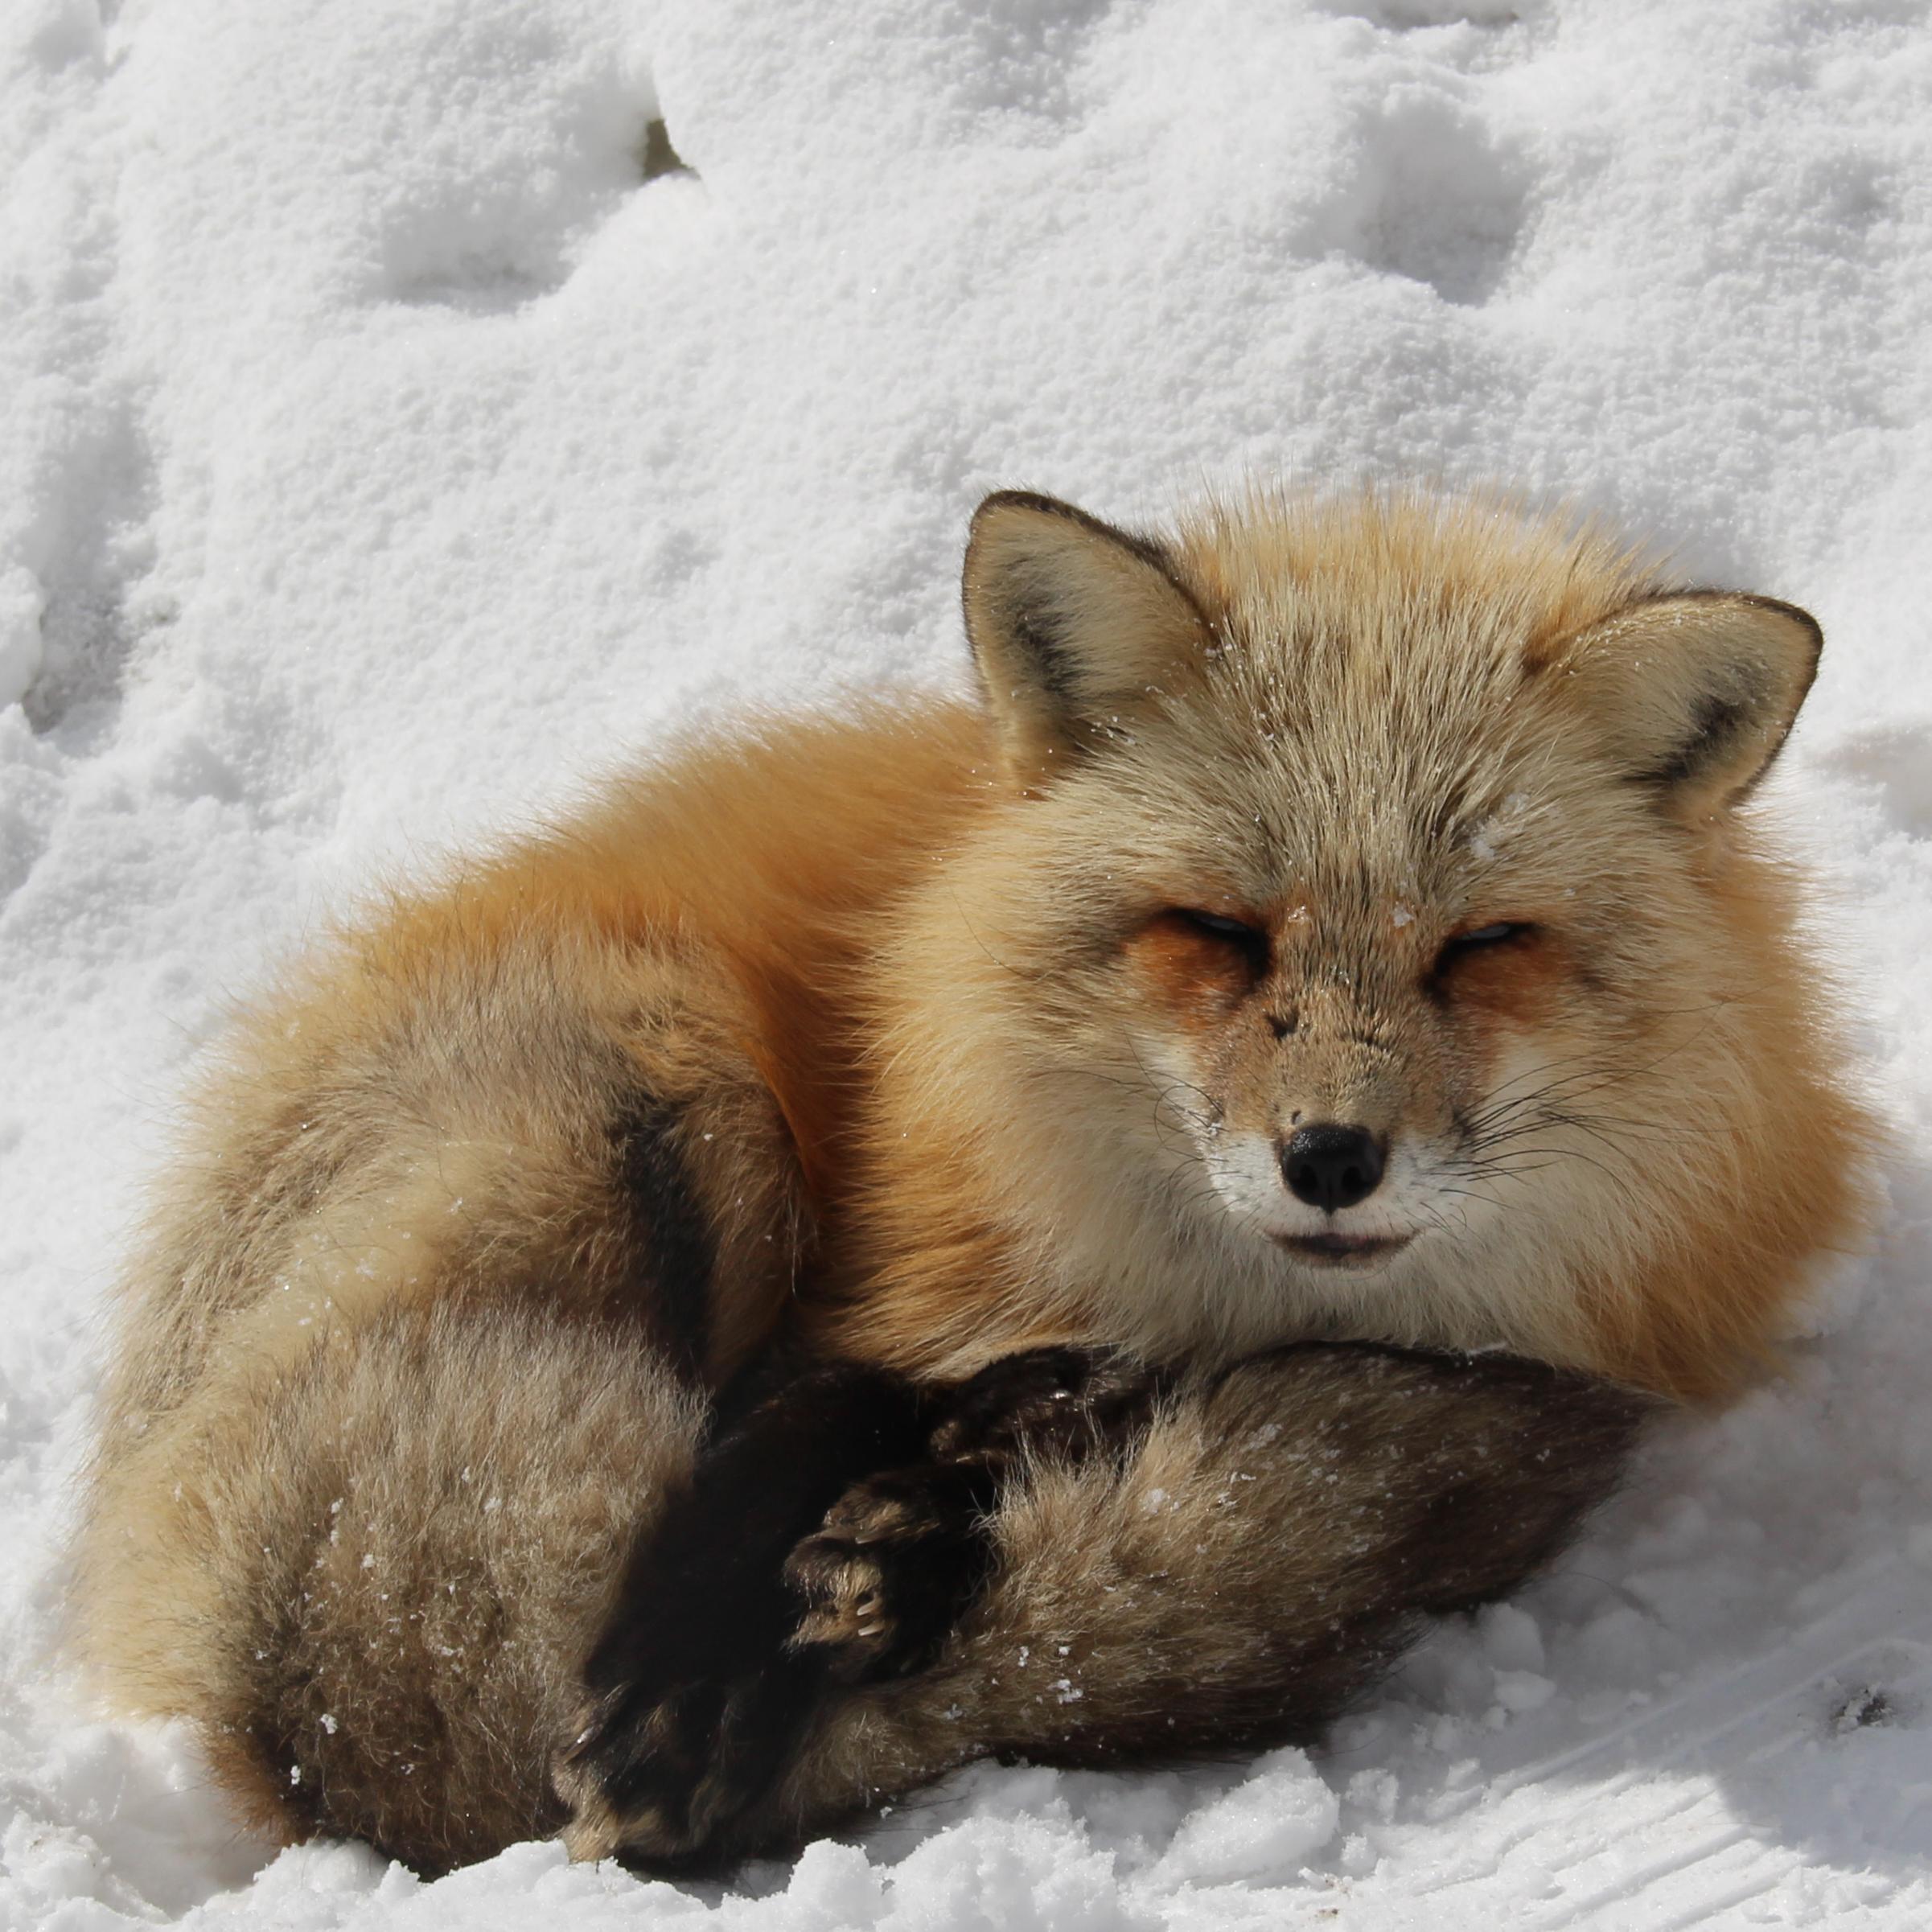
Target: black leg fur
(903, 1553)
(833, 1532)
(695, 1697)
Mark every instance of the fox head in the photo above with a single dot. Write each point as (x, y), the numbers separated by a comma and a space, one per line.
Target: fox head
(1368, 937)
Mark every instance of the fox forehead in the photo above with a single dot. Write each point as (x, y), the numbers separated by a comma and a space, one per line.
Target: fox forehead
(1370, 719)
(1444, 590)
(1315, 823)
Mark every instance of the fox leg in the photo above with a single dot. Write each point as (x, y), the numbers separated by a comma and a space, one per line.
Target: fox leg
(1272, 1543)
(695, 1697)
(890, 1572)
(425, 1331)
(706, 1680)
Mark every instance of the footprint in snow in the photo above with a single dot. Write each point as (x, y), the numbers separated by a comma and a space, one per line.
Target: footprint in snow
(1435, 197)
(492, 245)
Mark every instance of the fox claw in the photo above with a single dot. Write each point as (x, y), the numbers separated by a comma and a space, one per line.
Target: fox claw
(885, 1579)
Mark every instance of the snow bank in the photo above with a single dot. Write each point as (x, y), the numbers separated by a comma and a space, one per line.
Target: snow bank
(382, 454)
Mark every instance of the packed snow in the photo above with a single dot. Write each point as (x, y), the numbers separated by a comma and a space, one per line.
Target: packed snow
(407, 412)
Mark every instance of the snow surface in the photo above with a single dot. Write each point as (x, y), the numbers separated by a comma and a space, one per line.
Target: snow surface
(381, 454)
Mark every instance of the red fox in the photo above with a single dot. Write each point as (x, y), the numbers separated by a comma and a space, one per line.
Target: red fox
(946, 1227)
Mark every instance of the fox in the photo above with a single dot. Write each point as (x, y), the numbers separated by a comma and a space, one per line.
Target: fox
(1061, 1222)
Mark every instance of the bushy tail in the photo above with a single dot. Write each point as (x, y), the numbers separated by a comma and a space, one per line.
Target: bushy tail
(1275, 1542)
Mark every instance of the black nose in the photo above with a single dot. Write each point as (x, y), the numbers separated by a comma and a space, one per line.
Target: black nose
(1330, 1167)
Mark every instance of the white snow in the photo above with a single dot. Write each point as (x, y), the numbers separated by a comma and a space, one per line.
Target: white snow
(381, 455)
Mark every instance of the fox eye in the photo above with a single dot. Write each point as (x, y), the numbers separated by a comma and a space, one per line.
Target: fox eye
(1477, 939)
(1236, 931)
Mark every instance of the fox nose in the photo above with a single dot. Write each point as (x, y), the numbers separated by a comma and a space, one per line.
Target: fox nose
(1330, 1167)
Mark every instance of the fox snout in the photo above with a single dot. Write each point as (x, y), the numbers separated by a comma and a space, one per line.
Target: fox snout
(1331, 1166)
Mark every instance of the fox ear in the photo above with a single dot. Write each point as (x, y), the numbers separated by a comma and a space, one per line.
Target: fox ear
(1070, 621)
(1695, 692)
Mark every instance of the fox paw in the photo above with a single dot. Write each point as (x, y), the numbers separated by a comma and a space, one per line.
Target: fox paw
(897, 1560)
(900, 1555)
(618, 1775)
(1052, 1401)
(655, 1777)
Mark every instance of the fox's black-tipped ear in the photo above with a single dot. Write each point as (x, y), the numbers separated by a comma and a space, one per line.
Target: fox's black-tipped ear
(1695, 693)
(1071, 621)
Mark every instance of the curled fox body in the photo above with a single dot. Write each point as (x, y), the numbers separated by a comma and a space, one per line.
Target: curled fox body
(648, 1321)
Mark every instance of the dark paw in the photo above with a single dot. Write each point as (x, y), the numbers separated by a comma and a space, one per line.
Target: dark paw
(658, 1776)
(901, 1554)
(1064, 1402)
(898, 1558)
(694, 1702)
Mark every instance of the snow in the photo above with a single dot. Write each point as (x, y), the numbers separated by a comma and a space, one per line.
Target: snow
(381, 456)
